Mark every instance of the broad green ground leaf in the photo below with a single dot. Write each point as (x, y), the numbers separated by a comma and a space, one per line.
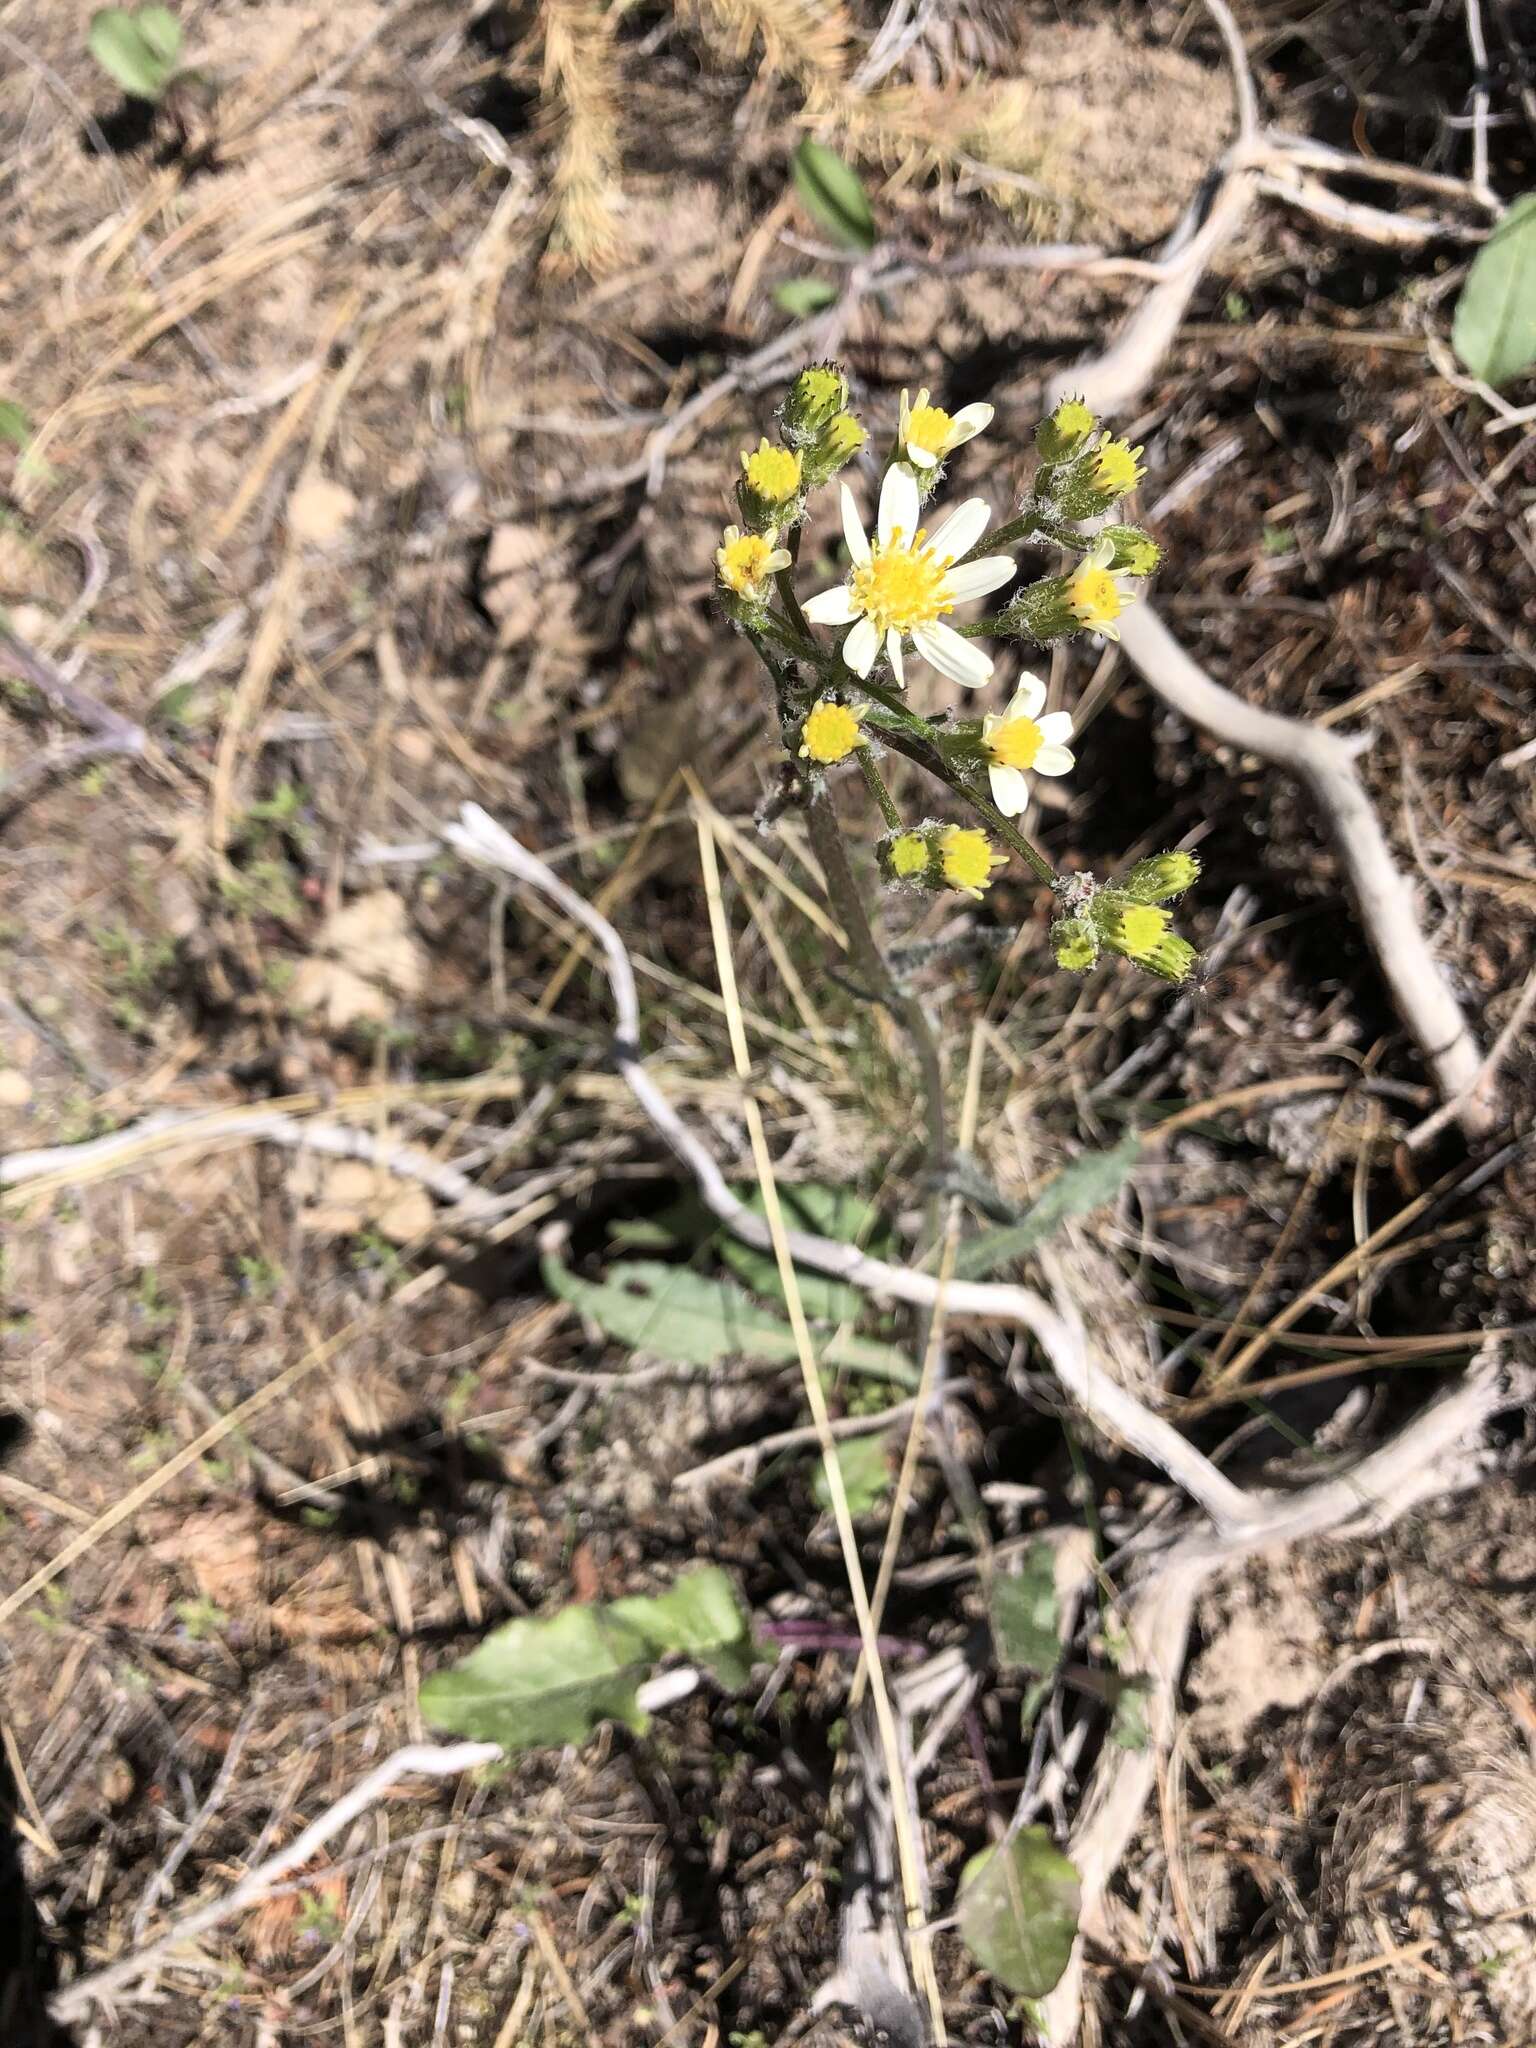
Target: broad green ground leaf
(675, 1313)
(1024, 1613)
(1495, 327)
(804, 295)
(1088, 1183)
(833, 194)
(15, 425)
(1018, 1912)
(866, 1471)
(551, 1679)
(824, 1212)
(137, 48)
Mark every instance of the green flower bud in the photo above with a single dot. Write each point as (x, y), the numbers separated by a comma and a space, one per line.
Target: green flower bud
(815, 399)
(1136, 553)
(1172, 959)
(1042, 611)
(908, 858)
(1075, 943)
(1065, 432)
(835, 446)
(1161, 878)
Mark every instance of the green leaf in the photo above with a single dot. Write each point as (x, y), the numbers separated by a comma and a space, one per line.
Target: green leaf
(1088, 1183)
(824, 1212)
(804, 295)
(137, 49)
(1128, 1727)
(833, 195)
(1495, 327)
(1018, 1912)
(1024, 1613)
(15, 423)
(552, 1678)
(866, 1474)
(675, 1313)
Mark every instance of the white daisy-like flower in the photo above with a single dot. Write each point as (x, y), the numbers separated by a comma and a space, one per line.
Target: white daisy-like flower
(926, 433)
(904, 581)
(1019, 742)
(1097, 594)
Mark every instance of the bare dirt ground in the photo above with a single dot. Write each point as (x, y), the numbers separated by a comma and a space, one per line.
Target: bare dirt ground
(350, 471)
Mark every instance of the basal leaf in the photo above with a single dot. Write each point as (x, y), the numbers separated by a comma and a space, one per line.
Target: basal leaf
(1018, 1912)
(866, 1470)
(1088, 1183)
(1024, 1613)
(803, 296)
(691, 1318)
(552, 1678)
(136, 48)
(1494, 332)
(833, 195)
(825, 1212)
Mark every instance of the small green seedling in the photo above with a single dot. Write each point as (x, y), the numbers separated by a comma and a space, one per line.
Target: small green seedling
(139, 48)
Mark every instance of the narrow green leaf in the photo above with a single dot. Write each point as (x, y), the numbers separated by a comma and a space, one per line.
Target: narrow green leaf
(675, 1313)
(552, 1678)
(15, 423)
(833, 195)
(1018, 1912)
(803, 296)
(1494, 332)
(866, 1474)
(1024, 1613)
(825, 1212)
(1088, 1183)
(136, 52)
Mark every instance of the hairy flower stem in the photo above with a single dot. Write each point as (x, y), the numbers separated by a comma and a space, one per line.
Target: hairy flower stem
(874, 782)
(847, 901)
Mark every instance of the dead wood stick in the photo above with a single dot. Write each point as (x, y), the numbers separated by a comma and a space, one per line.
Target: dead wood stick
(1325, 761)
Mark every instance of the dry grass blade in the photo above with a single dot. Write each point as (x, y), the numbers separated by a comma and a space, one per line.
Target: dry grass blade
(581, 88)
(807, 40)
(906, 1844)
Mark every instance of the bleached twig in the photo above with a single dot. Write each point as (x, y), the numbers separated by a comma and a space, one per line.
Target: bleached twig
(1325, 761)
(1436, 1454)
(418, 1759)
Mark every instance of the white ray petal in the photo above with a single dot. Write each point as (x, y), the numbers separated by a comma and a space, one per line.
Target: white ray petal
(958, 659)
(920, 456)
(970, 421)
(893, 656)
(861, 647)
(975, 579)
(1056, 726)
(1010, 790)
(1027, 698)
(959, 533)
(1053, 760)
(898, 504)
(830, 607)
(853, 530)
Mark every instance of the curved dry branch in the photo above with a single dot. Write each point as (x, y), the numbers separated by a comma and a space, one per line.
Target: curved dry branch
(1326, 763)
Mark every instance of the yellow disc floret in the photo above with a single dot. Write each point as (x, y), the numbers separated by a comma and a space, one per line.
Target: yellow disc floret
(1015, 743)
(830, 732)
(967, 858)
(743, 561)
(901, 585)
(773, 473)
(930, 428)
(1116, 468)
(1094, 596)
(908, 855)
(1139, 929)
(1072, 419)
